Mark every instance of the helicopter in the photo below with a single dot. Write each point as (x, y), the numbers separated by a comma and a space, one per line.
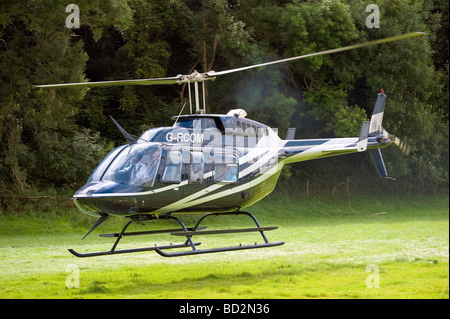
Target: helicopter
(208, 164)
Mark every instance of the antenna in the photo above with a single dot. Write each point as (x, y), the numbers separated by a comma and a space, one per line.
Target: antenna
(127, 135)
(179, 114)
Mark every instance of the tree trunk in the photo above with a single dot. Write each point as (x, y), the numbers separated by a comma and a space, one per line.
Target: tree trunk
(13, 134)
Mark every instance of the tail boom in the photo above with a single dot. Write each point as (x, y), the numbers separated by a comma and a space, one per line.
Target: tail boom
(372, 138)
(305, 150)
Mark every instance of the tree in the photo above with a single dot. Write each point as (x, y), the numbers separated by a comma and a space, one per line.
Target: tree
(125, 39)
(38, 48)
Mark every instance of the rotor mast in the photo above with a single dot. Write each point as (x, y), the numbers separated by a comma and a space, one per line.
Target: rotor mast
(196, 77)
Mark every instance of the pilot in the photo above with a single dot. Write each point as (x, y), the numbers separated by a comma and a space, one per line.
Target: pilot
(145, 170)
(153, 166)
(130, 172)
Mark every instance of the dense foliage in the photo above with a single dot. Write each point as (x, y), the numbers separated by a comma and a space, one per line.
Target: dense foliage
(54, 138)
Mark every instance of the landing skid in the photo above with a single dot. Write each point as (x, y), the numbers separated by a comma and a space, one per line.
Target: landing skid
(186, 232)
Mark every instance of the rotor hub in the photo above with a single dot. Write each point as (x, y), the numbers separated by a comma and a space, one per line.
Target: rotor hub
(196, 77)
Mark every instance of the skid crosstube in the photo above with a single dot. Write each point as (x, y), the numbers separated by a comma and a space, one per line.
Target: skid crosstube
(150, 232)
(188, 233)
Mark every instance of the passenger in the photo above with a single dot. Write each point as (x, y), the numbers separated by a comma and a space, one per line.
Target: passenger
(196, 173)
(226, 174)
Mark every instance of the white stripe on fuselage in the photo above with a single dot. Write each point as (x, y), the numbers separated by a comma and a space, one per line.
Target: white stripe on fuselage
(192, 200)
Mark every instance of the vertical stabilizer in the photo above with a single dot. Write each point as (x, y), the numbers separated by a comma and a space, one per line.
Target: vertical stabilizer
(377, 115)
(377, 160)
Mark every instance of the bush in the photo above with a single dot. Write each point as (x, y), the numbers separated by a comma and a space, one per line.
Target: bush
(68, 161)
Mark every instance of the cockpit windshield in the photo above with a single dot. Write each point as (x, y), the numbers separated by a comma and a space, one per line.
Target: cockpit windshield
(136, 165)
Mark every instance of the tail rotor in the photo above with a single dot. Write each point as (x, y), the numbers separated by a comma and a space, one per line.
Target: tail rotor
(398, 142)
(382, 136)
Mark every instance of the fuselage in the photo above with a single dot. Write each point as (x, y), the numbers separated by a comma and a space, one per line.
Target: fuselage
(204, 163)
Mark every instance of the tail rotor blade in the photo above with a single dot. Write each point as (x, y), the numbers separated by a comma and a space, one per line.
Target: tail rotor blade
(402, 145)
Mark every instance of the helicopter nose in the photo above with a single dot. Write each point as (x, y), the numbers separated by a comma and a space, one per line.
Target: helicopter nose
(97, 198)
(84, 206)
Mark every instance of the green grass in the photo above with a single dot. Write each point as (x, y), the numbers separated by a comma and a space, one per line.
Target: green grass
(329, 246)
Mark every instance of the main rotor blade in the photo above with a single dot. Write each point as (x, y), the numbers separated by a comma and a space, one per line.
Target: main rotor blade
(350, 47)
(169, 80)
(199, 77)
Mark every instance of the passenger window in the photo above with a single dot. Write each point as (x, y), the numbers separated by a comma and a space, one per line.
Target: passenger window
(252, 130)
(226, 169)
(226, 173)
(196, 168)
(238, 127)
(172, 171)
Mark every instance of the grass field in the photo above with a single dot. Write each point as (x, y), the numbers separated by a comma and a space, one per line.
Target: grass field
(380, 247)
